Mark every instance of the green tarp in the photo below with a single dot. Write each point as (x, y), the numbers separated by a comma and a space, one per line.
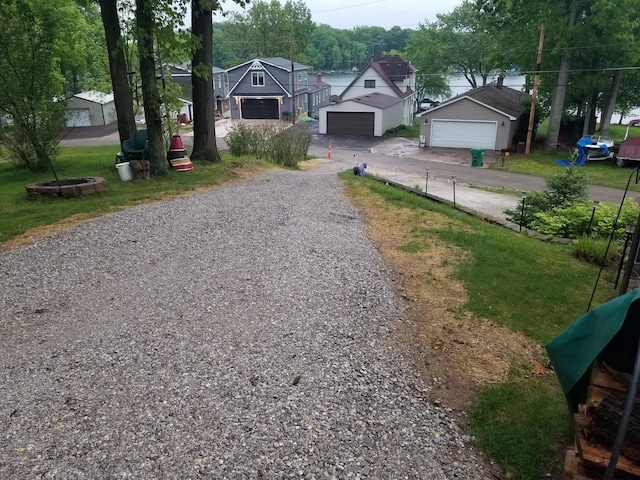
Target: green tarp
(609, 332)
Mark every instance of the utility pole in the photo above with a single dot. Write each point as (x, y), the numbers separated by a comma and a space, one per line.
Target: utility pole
(534, 95)
(293, 86)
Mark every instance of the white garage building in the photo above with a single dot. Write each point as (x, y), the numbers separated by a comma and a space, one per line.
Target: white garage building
(369, 115)
(92, 108)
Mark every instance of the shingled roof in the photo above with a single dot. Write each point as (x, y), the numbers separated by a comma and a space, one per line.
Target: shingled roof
(376, 99)
(391, 68)
(505, 99)
(394, 66)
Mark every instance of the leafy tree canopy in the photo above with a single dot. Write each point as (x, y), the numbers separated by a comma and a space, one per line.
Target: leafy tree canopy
(32, 37)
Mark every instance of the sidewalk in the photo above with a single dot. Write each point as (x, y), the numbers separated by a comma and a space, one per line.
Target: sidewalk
(484, 202)
(488, 203)
(401, 161)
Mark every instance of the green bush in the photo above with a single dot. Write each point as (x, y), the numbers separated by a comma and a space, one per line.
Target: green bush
(536, 202)
(286, 147)
(239, 139)
(593, 250)
(567, 187)
(572, 220)
(539, 211)
(290, 146)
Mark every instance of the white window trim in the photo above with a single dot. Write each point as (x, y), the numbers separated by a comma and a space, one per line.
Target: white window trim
(255, 77)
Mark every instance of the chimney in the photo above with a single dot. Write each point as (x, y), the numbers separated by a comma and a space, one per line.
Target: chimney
(319, 79)
(500, 81)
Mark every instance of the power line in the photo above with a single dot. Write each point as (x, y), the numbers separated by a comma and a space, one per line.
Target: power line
(349, 6)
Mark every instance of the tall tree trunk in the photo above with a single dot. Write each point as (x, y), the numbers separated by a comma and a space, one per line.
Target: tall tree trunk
(150, 94)
(122, 96)
(607, 112)
(204, 124)
(586, 124)
(557, 104)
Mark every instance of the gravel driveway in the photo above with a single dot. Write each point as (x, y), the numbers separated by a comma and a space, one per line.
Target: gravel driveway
(250, 331)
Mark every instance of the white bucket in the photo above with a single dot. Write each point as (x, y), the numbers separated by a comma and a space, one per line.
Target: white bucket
(125, 172)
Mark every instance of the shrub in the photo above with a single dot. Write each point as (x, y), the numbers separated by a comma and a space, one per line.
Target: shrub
(593, 250)
(260, 138)
(238, 139)
(567, 187)
(290, 146)
(536, 202)
(572, 220)
(562, 189)
(286, 147)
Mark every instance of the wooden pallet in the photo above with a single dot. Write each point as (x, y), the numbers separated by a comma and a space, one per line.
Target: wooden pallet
(590, 457)
(573, 469)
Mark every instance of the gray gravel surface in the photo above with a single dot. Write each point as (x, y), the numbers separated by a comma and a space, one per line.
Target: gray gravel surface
(249, 331)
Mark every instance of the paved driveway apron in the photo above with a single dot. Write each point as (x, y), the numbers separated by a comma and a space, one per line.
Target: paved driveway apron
(245, 332)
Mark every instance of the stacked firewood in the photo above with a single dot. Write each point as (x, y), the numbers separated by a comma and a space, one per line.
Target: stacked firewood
(596, 427)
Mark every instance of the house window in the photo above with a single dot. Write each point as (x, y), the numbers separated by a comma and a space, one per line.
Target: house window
(257, 79)
(369, 84)
(220, 81)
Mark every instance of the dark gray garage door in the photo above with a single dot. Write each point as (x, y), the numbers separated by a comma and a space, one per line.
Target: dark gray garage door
(253, 108)
(350, 123)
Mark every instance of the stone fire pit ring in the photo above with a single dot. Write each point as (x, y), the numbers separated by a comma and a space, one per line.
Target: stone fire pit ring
(67, 188)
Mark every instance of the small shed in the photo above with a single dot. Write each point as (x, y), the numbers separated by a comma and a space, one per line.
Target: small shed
(89, 109)
(368, 115)
(486, 117)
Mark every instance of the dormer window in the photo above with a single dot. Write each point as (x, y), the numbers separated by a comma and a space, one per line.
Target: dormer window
(369, 84)
(257, 79)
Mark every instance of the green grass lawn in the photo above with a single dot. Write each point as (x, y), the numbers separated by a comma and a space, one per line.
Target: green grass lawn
(603, 172)
(530, 286)
(18, 214)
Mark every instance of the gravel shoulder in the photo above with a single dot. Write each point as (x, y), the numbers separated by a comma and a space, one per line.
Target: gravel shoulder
(249, 331)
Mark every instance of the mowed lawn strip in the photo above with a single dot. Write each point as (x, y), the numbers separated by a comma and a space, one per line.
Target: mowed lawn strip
(19, 214)
(532, 288)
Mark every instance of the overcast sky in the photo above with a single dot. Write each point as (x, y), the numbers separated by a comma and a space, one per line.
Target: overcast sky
(346, 14)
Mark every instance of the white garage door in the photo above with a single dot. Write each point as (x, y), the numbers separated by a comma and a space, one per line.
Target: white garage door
(463, 134)
(79, 117)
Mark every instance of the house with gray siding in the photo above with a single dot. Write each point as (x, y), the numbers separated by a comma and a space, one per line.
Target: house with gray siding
(182, 76)
(487, 117)
(271, 88)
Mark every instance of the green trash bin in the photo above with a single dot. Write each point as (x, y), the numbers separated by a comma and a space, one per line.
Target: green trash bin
(477, 155)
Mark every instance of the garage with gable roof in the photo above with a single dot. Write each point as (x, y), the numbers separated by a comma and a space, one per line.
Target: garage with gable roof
(91, 108)
(486, 117)
(367, 115)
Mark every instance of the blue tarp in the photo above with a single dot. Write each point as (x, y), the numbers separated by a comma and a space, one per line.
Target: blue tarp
(582, 153)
